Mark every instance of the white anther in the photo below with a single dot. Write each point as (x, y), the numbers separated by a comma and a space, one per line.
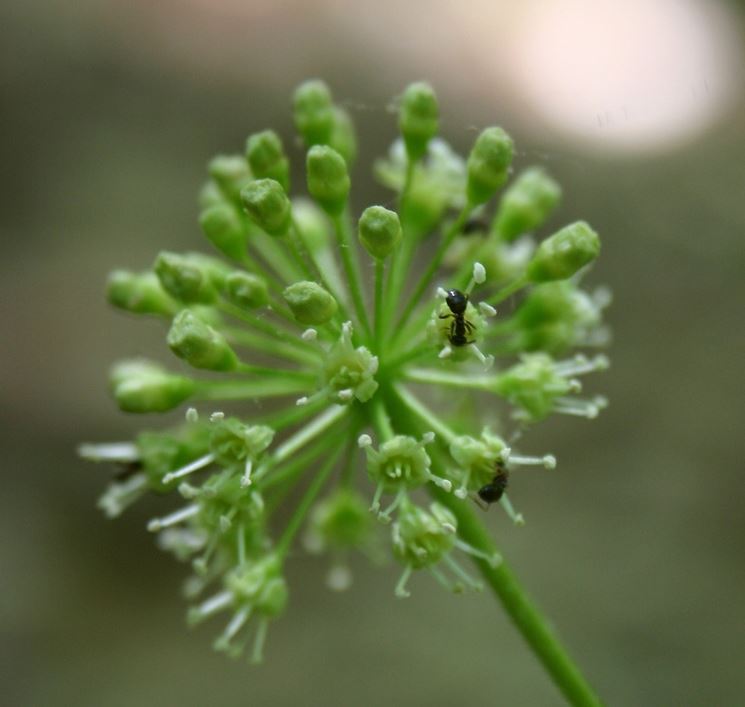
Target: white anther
(479, 273)
(110, 451)
(461, 492)
(428, 437)
(446, 352)
(192, 415)
(347, 328)
(448, 528)
(549, 461)
(246, 478)
(442, 293)
(364, 440)
(190, 468)
(157, 524)
(301, 401)
(217, 416)
(309, 335)
(487, 310)
(345, 395)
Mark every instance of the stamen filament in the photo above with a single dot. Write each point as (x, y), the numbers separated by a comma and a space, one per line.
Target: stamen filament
(190, 468)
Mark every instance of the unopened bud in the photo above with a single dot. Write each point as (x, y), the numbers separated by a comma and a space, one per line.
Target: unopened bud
(488, 165)
(230, 173)
(267, 158)
(246, 290)
(564, 253)
(313, 112)
(379, 231)
(142, 386)
(267, 204)
(310, 303)
(140, 293)
(419, 118)
(190, 278)
(526, 204)
(199, 344)
(222, 225)
(343, 138)
(328, 179)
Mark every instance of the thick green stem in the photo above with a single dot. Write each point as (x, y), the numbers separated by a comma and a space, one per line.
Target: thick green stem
(524, 614)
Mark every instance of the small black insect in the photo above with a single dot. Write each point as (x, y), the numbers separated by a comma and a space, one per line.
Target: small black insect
(475, 226)
(493, 491)
(460, 327)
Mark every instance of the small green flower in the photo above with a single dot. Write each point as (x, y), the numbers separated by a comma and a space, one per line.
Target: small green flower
(322, 346)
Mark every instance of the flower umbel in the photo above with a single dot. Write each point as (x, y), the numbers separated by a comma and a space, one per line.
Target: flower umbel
(351, 362)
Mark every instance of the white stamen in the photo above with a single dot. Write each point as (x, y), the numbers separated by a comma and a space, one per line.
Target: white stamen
(300, 402)
(494, 559)
(157, 524)
(488, 361)
(309, 335)
(347, 328)
(487, 310)
(121, 495)
(428, 437)
(246, 478)
(196, 465)
(580, 365)
(364, 440)
(374, 364)
(217, 416)
(577, 407)
(444, 484)
(192, 415)
(548, 460)
(235, 625)
(345, 395)
(400, 590)
(446, 352)
(516, 518)
(109, 452)
(479, 273)
(186, 490)
(215, 603)
(442, 293)
(449, 528)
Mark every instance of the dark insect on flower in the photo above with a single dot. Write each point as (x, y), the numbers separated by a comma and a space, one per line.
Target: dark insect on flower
(460, 327)
(492, 492)
(475, 227)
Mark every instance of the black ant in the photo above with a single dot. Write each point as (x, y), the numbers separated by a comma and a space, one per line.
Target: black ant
(460, 328)
(493, 491)
(475, 226)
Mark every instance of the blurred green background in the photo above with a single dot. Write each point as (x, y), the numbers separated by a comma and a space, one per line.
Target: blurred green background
(634, 547)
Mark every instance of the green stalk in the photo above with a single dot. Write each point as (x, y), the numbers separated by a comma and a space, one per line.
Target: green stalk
(352, 268)
(379, 309)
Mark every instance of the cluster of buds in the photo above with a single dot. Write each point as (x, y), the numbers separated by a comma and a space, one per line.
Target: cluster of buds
(336, 332)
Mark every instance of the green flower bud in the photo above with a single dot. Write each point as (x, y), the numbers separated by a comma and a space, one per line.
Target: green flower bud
(143, 386)
(340, 521)
(246, 290)
(379, 231)
(199, 344)
(421, 538)
(419, 118)
(190, 277)
(260, 586)
(267, 204)
(310, 303)
(343, 138)
(349, 373)
(231, 174)
(267, 159)
(312, 224)
(526, 204)
(224, 228)
(564, 253)
(232, 442)
(328, 179)
(140, 293)
(225, 504)
(533, 385)
(488, 165)
(314, 112)
(477, 459)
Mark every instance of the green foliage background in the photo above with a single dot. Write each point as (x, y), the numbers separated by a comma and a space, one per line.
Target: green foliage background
(634, 546)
